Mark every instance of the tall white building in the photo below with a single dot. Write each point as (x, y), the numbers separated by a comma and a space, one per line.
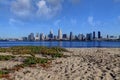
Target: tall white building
(37, 37)
(59, 34)
(42, 37)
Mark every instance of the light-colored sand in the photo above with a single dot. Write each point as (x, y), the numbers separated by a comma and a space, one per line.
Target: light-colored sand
(8, 64)
(82, 64)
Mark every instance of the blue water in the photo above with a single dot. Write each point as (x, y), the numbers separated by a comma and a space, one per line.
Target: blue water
(66, 44)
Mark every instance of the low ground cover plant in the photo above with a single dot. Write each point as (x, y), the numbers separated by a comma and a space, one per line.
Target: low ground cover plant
(53, 51)
(6, 57)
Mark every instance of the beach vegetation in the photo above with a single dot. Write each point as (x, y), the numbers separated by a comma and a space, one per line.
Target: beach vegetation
(32, 50)
(4, 74)
(29, 61)
(34, 60)
(6, 57)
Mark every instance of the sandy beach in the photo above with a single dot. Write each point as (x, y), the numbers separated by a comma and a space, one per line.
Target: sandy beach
(80, 64)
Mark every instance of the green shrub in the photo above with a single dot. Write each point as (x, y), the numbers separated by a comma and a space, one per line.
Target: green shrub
(7, 57)
(4, 72)
(32, 50)
(2, 50)
(30, 60)
(34, 60)
(59, 49)
(57, 55)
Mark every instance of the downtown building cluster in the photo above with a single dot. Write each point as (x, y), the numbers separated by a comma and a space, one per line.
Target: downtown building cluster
(93, 36)
(62, 37)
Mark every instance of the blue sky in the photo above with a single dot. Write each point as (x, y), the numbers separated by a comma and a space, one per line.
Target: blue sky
(20, 17)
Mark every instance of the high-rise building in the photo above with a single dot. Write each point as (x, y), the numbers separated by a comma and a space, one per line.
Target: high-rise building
(51, 36)
(24, 38)
(42, 37)
(76, 37)
(71, 36)
(46, 37)
(80, 37)
(99, 34)
(37, 37)
(93, 35)
(59, 34)
(55, 37)
(107, 36)
(31, 37)
(89, 36)
(65, 37)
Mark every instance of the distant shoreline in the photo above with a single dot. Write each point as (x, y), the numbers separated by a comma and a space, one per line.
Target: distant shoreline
(62, 40)
(64, 44)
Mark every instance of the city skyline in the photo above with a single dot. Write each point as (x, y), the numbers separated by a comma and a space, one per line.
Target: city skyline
(21, 17)
(61, 36)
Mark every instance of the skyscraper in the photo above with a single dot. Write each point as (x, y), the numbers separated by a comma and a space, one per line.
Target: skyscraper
(93, 35)
(89, 36)
(71, 36)
(55, 37)
(59, 34)
(51, 36)
(99, 34)
(37, 37)
(46, 37)
(107, 36)
(31, 37)
(65, 37)
(42, 37)
(24, 38)
(80, 36)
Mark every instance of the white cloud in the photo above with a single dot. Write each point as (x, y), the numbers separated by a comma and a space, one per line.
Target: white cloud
(42, 9)
(21, 8)
(49, 8)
